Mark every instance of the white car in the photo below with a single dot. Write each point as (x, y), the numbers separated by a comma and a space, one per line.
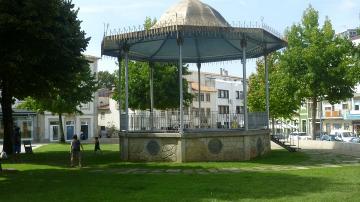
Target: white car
(300, 136)
(345, 136)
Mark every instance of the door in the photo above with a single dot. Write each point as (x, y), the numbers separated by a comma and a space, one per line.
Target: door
(84, 130)
(70, 129)
(54, 132)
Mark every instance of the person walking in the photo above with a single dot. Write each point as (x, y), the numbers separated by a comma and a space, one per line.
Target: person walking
(97, 145)
(17, 143)
(75, 150)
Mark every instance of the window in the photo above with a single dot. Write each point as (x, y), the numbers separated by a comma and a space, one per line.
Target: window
(207, 97)
(327, 108)
(102, 115)
(357, 107)
(337, 126)
(202, 97)
(223, 94)
(239, 95)
(202, 112)
(85, 106)
(223, 109)
(346, 126)
(208, 113)
(186, 111)
(195, 97)
(303, 124)
(238, 109)
(196, 112)
(345, 106)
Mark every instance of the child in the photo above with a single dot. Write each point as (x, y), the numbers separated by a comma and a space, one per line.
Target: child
(97, 145)
(75, 150)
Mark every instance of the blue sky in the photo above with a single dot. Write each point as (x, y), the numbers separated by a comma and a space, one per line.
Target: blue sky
(279, 14)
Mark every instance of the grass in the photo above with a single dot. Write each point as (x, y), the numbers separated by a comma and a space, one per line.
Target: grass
(46, 176)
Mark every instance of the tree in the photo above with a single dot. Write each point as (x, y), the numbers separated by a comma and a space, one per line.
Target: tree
(166, 86)
(284, 101)
(66, 100)
(41, 46)
(106, 80)
(320, 62)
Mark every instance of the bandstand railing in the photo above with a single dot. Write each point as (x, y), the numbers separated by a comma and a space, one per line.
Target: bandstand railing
(168, 121)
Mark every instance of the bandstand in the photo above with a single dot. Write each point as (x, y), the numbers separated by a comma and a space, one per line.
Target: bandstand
(192, 32)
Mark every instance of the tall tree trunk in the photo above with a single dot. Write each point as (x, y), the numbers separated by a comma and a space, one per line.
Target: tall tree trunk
(62, 135)
(313, 117)
(6, 104)
(273, 125)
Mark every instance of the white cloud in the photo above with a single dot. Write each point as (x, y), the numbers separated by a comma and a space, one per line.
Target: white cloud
(119, 6)
(348, 4)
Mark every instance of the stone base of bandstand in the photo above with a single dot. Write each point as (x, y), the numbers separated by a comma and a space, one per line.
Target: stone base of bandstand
(194, 146)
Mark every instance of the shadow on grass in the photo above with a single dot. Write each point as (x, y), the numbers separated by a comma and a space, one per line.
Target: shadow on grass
(81, 185)
(111, 159)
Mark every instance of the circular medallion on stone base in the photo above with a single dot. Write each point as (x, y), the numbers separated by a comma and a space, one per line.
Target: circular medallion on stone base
(215, 146)
(153, 147)
(259, 146)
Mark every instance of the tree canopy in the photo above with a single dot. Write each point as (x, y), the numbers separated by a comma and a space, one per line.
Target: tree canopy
(66, 100)
(284, 101)
(320, 62)
(106, 79)
(166, 86)
(41, 51)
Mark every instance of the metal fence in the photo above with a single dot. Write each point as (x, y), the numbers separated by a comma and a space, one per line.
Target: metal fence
(169, 121)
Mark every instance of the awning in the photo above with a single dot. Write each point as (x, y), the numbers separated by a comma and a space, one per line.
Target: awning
(195, 87)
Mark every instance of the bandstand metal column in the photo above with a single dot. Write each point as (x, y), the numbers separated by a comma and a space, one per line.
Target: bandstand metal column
(180, 43)
(267, 90)
(151, 65)
(199, 92)
(243, 46)
(119, 86)
(126, 89)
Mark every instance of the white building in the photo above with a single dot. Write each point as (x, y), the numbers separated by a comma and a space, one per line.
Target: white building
(108, 112)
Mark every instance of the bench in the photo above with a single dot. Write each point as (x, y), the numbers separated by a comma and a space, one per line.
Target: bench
(28, 146)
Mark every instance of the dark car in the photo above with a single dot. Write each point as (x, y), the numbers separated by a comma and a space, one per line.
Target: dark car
(355, 140)
(327, 137)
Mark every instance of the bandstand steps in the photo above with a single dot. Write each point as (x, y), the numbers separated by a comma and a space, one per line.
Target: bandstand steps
(285, 145)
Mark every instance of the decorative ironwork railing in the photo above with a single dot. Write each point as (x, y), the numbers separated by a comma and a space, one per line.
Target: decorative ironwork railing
(169, 121)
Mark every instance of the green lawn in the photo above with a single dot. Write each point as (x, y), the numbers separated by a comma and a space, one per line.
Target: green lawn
(46, 176)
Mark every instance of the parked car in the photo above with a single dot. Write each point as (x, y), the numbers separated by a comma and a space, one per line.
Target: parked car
(327, 137)
(355, 140)
(341, 135)
(300, 136)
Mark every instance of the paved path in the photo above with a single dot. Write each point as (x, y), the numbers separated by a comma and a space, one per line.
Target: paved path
(34, 146)
(318, 160)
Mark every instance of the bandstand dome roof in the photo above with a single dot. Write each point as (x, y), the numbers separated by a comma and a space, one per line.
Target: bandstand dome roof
(192, 12)
(206, 37)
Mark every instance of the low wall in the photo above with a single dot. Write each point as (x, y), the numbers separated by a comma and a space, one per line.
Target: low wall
(346, 148)
(195, 146)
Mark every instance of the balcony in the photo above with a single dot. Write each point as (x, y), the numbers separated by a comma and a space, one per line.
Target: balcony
(333, 114)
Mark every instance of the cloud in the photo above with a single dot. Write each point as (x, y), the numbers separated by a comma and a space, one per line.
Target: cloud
(118, 6)
(348, 4)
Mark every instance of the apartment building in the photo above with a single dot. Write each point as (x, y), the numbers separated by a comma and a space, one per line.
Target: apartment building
(221, 99)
